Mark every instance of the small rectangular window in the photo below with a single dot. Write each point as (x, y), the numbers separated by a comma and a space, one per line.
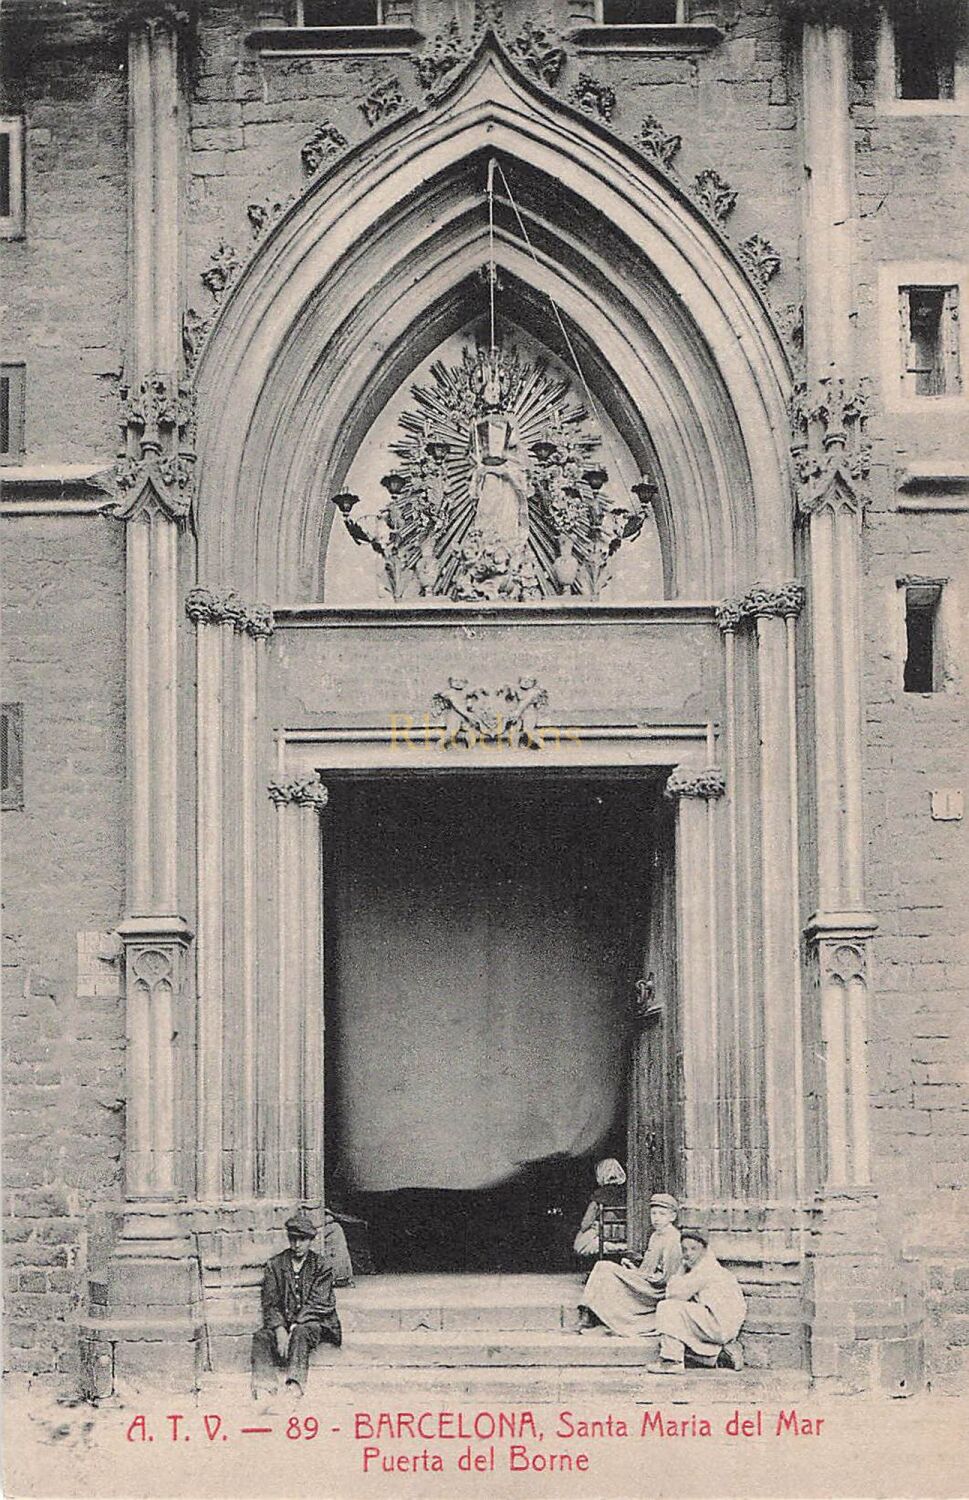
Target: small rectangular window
(334, 13)
(11, 755)
(11, 177)
(923, 666)
(12, 385)
(642, 12)
(930, 339)
(924, 56)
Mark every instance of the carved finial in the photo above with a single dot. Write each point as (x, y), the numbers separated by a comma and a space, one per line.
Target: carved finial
(714, 195)
(594, 97)
(384, 99)
(323, 145)
(658, 143)
(760, 258)
(537, 50)
(224, 266)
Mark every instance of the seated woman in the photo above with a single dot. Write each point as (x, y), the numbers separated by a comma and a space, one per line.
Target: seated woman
(335, 1250)
(610, 1193)
(625, 1297)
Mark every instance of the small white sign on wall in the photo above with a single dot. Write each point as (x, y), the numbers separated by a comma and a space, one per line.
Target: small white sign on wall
(946, 805)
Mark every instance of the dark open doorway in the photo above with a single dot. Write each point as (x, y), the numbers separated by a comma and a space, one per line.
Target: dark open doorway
(484, 935)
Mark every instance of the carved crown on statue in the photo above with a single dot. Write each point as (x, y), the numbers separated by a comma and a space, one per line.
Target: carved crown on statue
(497, 495)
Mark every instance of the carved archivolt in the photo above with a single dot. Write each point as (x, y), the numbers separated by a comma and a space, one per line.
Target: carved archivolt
(299, 791)
(785, 600)
(205, 608)
(707, 784)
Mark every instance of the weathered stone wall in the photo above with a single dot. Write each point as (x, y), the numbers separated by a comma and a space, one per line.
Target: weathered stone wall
(252, 113)
(735, 109)
(65, 282)
(63, 1016)
(912, 207)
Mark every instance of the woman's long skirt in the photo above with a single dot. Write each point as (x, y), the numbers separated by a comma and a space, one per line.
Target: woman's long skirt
(622, 1299)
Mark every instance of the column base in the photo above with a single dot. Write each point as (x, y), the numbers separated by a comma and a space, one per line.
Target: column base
(864, 1305)
(145, 1327)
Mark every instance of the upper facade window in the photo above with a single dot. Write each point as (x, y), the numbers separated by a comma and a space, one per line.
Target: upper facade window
(11, 177)
(930, 340)
(334, 13)
(925, 59)
(924, 340)
(922, 66)
(643, 12)
(12, 380)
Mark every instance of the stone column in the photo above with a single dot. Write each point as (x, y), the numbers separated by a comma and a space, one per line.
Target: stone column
(773, 612)
(863, 1325)
(760, 652)
(228, 637)
(152, 1274)
(293, 1078)
(696, 794)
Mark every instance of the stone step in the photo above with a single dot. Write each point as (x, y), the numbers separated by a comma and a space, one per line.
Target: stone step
(406, 1388)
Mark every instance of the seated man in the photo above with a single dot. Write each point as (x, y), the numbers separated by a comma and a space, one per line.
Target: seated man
(703, 1311)
(298, 1310)
(624, 1297)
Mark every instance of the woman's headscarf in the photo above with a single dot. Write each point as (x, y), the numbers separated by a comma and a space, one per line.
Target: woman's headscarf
(609, 1173)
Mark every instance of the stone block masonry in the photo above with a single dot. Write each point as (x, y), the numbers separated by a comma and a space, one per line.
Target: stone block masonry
(63, 1019)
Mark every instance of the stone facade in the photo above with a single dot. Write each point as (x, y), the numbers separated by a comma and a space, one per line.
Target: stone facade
(263, 135)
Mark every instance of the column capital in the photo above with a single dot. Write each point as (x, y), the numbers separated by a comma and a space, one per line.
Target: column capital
(154, 929)
(160, 15)
(840, 926)
(204, 607)
(299, 791)
(707, 784)
(762, 600)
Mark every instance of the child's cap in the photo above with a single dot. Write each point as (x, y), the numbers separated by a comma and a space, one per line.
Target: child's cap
(700, 1235)
(663, 1200)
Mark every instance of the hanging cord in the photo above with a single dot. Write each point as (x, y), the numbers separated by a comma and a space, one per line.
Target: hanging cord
(491, 248)
(593, 409)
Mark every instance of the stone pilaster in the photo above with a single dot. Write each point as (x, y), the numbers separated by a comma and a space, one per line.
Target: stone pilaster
(153, 1276)
(763, 623)
(228, 638)
(862, 1326)
(293, 1083)
(696, 794)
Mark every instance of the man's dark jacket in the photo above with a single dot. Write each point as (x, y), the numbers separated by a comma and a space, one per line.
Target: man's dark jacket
(288, 1299)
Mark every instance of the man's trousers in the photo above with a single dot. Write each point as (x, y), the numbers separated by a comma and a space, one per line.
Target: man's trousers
(303, 1339)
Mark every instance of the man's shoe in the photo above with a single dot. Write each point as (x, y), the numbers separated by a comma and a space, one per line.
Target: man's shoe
(732, 1356)
(665, 1367)
(294, 1390)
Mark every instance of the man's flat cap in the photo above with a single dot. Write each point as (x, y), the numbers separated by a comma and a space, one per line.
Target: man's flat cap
(301, 1223)
(664, 1200)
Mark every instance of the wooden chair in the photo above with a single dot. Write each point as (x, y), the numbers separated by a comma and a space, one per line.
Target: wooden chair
(612, 1231)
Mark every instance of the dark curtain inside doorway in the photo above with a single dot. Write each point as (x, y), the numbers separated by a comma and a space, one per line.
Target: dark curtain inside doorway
(483, 935)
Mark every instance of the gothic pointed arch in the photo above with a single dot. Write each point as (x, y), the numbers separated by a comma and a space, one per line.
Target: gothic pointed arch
(377, 264)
